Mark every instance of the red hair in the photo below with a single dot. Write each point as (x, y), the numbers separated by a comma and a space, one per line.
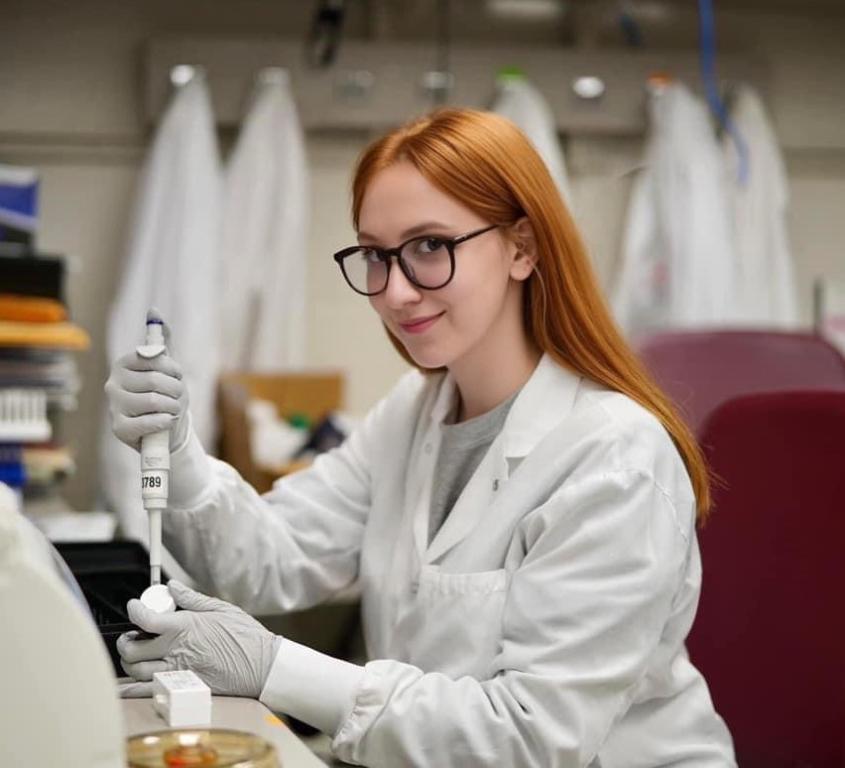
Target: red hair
(485, 162)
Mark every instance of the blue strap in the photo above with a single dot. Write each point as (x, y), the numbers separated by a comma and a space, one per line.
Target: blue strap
(711, 87)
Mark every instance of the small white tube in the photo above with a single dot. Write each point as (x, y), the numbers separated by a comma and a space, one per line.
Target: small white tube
(157, 598)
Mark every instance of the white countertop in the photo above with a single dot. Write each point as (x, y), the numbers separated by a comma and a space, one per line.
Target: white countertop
(230, 712)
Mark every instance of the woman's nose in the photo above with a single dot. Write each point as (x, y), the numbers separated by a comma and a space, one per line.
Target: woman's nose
(400, 290)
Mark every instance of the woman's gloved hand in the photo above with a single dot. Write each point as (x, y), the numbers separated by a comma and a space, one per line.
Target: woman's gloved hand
(148, 395)
(229, 650)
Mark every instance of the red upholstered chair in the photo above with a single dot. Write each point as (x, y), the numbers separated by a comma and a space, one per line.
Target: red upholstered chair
(769, 635)
(700, 370)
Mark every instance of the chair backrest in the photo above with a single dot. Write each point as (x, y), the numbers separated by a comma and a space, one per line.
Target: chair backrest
(700, 370)
(769, 635)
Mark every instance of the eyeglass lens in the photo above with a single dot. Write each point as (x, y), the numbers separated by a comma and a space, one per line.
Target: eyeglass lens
(426, 261)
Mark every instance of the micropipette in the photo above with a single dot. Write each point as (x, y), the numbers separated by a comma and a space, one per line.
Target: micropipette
(155, 458)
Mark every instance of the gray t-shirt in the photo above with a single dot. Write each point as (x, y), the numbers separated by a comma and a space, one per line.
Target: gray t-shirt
(462, 448)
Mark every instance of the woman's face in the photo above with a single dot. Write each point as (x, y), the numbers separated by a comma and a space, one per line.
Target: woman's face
(469, 318)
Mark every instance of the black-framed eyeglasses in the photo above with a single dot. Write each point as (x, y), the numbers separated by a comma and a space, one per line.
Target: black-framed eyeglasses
(428, 261)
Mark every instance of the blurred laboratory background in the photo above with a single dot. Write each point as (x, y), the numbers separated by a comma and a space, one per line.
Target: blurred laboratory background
(85, 85)
(197, 155)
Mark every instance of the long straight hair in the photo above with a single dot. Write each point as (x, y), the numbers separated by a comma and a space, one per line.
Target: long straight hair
(485, 162)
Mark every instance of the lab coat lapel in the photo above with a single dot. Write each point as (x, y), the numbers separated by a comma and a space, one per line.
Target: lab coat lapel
(423, 460)
(544, 401)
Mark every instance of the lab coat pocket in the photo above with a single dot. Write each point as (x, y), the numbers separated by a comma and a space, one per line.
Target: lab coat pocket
(434, 583)
(459, 620)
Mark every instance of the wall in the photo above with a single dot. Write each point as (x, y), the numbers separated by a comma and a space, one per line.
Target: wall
(71, 103)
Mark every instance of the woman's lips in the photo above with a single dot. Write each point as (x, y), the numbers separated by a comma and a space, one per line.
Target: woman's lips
(420, 325)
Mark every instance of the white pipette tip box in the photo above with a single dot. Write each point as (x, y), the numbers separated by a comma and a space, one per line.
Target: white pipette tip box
(181, 698)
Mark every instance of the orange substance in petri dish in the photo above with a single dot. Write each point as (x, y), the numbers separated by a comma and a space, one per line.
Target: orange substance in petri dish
(197, 756)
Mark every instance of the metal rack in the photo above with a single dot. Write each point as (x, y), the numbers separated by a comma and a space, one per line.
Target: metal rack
(372, 86)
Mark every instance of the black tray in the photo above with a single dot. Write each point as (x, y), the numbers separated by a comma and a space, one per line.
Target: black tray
(110, 573)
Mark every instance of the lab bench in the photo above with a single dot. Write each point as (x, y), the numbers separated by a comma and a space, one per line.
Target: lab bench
(235, 713)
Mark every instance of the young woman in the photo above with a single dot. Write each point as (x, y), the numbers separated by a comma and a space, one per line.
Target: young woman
(520, 510)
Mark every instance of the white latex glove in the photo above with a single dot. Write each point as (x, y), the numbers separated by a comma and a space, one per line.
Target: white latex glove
(148, 395)
(228, 649)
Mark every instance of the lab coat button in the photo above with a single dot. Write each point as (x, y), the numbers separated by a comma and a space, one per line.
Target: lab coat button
(428, 448)
(496, 484)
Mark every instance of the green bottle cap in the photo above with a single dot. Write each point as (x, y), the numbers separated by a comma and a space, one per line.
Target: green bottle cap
(299, 420)
(511, 73)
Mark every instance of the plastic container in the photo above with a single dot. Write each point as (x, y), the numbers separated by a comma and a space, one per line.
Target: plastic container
(195, 748)
(109, 573)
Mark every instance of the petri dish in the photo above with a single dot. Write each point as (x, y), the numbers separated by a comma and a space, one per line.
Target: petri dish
(200, 748)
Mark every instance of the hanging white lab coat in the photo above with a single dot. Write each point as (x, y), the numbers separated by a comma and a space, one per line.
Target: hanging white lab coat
(543, 625)
(520, 101)
(171, 263)
(765, 273)
(264, 240)
(677, 265)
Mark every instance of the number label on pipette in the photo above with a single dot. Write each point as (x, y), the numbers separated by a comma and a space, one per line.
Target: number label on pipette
(154, 485)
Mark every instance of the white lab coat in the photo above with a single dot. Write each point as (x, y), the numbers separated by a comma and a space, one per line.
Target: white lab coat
(678, 265)
(765, 274)
(543, 626)
(263, 243)
(520, 101)
(171, 263)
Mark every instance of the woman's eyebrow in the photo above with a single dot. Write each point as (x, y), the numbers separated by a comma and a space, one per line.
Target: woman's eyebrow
(425, 227)
(417, 229)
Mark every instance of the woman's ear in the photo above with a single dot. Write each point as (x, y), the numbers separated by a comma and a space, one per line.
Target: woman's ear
(525, 242)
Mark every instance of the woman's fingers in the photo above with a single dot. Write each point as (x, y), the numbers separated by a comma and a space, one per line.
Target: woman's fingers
(132, 651)
(143, 671)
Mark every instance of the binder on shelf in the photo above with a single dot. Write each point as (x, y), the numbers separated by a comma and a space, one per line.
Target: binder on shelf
(38, 373)
(50, 335)
(24, 273)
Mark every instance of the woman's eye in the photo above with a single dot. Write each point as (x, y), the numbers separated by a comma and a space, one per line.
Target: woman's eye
(429, 245)
(369, 255)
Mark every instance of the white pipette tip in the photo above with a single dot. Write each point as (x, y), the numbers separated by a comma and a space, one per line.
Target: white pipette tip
(158, 598)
